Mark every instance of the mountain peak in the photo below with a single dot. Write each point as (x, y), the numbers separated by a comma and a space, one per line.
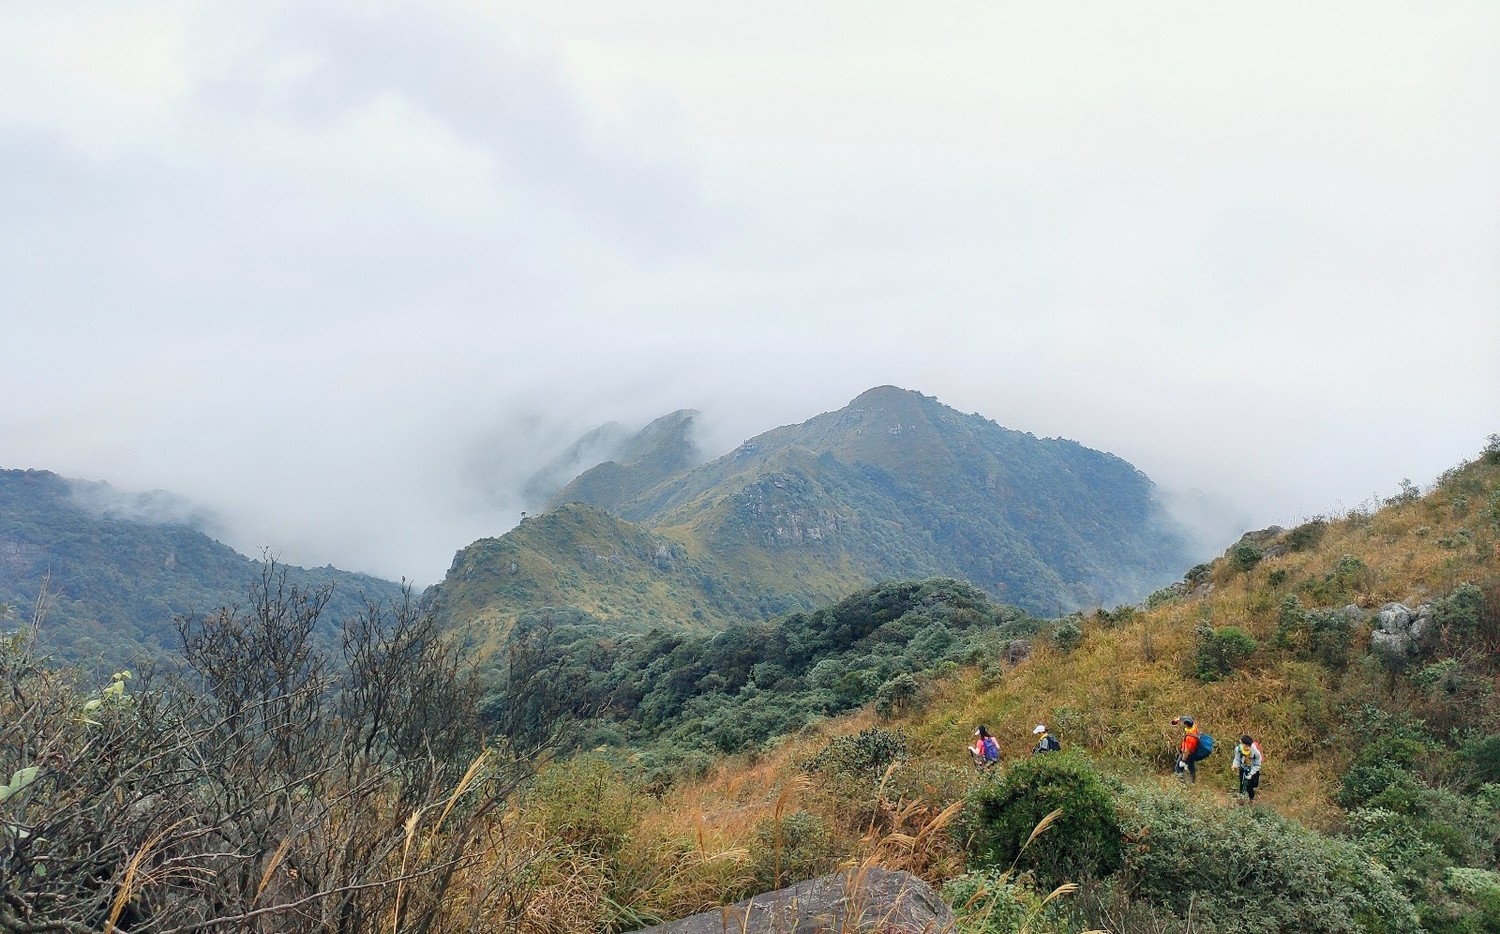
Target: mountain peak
(662, 449)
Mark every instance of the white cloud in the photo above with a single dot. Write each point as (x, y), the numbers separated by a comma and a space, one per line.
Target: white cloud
(311, 263)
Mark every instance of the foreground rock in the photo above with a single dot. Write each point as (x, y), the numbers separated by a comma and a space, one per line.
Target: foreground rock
(875, 900)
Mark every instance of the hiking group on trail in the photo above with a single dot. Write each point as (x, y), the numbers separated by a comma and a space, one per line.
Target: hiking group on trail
(985, 750)
(1195, 746)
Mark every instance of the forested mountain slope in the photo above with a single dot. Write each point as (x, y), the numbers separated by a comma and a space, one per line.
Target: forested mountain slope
(117, 569)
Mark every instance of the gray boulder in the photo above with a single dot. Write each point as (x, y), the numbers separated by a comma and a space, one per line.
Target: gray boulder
(873, 900)
(1401, 632)
(1017, 651)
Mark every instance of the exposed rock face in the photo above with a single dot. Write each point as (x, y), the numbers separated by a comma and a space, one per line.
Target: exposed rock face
(876, 900)
(1402, 633)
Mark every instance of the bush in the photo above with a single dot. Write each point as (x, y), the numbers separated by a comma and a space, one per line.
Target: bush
(1306, 535)
(1245, 555)
(1396, 840)
(990, 901)
(1381, 763)
(789, 848)
(1331, 636)
(1461, 613)
(1083, 841)
(1480, 758)
(1291, 622)
(1067, 635)
(1259, 871)
(1349, 576)
(586, 803)
(270, 750)
(866, 755)
(1220, 650)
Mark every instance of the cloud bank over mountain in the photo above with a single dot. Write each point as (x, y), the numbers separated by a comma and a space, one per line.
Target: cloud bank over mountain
(349, 275)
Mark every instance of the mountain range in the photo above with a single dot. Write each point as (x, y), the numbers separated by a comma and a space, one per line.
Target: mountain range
(640, 530)
(894, 485)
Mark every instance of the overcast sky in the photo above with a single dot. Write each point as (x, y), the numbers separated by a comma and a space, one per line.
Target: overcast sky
(346, 274)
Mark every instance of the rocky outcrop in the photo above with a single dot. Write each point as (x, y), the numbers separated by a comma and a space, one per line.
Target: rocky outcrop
(874, 900)
(1402, 633)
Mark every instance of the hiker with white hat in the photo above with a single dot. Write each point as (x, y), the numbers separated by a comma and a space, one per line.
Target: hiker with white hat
(1047, 743)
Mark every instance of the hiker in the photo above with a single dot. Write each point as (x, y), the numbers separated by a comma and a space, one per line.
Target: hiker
(985, 752)
(1247, 761)
(1195, 746)
(1047, 743)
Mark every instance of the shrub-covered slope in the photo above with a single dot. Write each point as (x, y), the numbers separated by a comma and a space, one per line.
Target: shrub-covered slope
(119, 569)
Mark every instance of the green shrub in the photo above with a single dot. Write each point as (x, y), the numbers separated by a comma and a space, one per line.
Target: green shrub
(990, 901)
(1349, 576)
(1306, 535)
(1067, 635)
(587, 803)
(1083, 841)
(1220, 650)
(1330, 637)
(1381, 763)
(1480, 760)
(1245, 555)
(1291, 621)
(1258, 871)
(1118, 616)
(1461, 612)
(1397, 841)
(1477, 890)
(866, 755)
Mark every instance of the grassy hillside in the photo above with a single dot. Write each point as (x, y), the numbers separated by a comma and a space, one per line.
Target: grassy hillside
(900, 485)
(1378, 811)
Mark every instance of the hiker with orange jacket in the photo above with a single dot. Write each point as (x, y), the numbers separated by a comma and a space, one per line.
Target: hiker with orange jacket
(1195, 745)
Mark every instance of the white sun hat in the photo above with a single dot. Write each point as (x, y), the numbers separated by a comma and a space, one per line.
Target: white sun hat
(1040, 728)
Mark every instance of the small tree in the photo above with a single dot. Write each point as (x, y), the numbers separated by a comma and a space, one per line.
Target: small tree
(895, 695)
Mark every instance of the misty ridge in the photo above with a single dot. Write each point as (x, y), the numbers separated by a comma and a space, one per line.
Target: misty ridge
(153, 507)
(895, 485)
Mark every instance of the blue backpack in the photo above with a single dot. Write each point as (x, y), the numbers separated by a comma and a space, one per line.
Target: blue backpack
(1205, 746)
(991, 749)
